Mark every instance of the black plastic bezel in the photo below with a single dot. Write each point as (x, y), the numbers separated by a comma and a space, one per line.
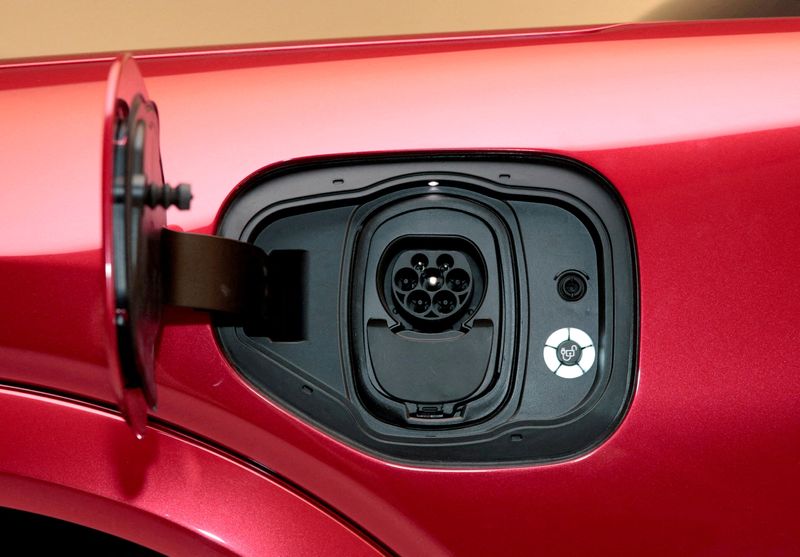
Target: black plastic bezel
(299, 185)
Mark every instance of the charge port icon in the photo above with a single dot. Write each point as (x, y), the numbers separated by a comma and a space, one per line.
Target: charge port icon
(569, 353)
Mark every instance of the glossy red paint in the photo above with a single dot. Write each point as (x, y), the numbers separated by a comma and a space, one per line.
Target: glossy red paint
(698, 127)
(166, 492)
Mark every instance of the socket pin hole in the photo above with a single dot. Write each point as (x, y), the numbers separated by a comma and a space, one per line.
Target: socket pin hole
(444, 302)
(457, 280)
(432, 279)
(419, 262)
(405, 279)
(419, 302)
(444, 262)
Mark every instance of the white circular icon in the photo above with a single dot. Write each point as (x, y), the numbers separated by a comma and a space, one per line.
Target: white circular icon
(576, 355)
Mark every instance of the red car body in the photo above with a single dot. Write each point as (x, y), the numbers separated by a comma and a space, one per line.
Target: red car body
(697, 126)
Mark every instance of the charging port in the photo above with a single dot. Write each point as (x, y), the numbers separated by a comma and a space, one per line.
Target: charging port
(432, 284)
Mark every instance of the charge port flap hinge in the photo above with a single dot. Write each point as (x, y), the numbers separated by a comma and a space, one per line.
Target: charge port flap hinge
(147, 265)
(214, 274)
(238, 280)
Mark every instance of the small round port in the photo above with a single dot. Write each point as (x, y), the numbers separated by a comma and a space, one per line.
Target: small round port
(419, 302)
(432, 279)
(571, 286)
(444, 302)
(444, 262)
(457, 280)
(419, 262)
(405, 279)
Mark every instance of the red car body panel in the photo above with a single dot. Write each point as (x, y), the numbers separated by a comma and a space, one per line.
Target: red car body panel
(696, 125)
(79, 463)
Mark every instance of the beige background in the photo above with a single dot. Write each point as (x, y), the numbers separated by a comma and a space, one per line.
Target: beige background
(46, 27)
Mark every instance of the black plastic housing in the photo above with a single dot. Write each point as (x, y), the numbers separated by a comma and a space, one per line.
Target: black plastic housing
(523, 220)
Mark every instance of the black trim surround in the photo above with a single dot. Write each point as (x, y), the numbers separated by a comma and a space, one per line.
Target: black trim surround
(524, 414)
